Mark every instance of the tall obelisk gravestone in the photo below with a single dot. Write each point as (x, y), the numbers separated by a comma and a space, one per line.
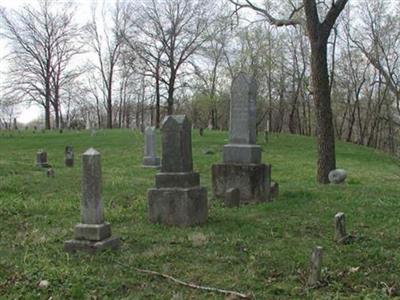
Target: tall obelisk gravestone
(178, 199)
(93, 233)
(242, 167)
(150, 159)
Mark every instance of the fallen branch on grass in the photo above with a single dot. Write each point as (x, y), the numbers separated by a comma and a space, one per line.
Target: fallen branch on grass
(192, 285)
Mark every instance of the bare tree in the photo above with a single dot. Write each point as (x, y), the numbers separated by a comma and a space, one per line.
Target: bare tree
(318, 35)
(41, 41)
(106, 42)
(177, 28)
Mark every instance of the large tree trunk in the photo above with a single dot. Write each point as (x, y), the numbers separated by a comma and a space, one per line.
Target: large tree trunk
(322, 97)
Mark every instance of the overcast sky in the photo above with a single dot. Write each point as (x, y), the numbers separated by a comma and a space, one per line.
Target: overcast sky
(82, 16)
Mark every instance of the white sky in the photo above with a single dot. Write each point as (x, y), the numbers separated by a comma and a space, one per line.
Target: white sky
(83, 15)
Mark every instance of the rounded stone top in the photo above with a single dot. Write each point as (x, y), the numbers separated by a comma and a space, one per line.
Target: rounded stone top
(91, 151)
(174, 120)
(150, 129)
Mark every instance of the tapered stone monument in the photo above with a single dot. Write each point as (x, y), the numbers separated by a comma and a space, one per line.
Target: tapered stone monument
(242, 167)
(93, 233)
(177, 199)
(150, 159)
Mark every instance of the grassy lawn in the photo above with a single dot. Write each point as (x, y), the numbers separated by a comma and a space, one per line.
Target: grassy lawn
(261, 250)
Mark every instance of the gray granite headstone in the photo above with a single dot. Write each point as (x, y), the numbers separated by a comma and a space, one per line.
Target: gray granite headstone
(176, 144)
(88, 123)
(177, 199)
(242, 167)
(93, 233)
(41, 159)
(69, 156)
(242, 146)
(150, 145)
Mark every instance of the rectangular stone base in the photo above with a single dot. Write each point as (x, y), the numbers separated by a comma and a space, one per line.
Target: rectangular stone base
(238, 153)
(92, 232)
(178, 206)
(112, 243)
(177, 180)
(151, 162)
(253, 181)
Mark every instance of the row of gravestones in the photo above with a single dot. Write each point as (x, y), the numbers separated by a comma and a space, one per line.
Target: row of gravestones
(41, 158)
(177, 198)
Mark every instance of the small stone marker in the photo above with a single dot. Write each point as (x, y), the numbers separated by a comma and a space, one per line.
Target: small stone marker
(88, 123)
(41, 159)
(201, 131)
(341, 235)
(93, 233)
(337, 176)
(315, 267)
(50, 172)
(274, 190)
(232, 197)
(178, 199)
(150, 159)
(69, 156)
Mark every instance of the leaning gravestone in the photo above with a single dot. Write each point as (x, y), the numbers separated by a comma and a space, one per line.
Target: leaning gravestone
(242, 167)
(69, 156)
(178, 199)
(41, 159)
(93, 233)
(150, 159)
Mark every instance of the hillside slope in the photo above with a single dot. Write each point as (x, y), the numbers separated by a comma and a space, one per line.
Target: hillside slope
(262, 250)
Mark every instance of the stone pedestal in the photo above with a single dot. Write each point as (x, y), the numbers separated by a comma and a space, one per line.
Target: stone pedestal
(177, 199)
(246, 154)
(178, 206)
(252, 180)
(151, 162)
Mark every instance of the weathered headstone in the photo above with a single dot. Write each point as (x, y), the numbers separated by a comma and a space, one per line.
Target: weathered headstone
(274, 190)
(314, 276)
(88, 123)
(93, 233)
(41, 159)
(178, 199)
(242, 167)
(50, 172)
(337, 176)
(242, 146)
(232, 197)
(69, 156)
(201, 131)
(341, 235)
(150, 159)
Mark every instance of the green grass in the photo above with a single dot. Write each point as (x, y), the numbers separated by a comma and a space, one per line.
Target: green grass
(262, 250)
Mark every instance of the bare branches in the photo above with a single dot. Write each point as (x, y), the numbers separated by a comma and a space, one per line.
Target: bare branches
(290, 21)
(333, 13)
